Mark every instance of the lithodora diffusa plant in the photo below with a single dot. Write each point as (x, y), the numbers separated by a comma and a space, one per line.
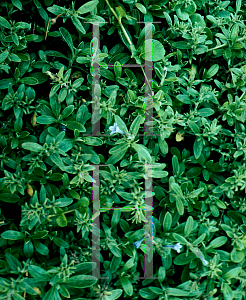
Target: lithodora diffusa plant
(133, 111)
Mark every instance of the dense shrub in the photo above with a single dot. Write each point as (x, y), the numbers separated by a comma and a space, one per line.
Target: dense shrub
(177, 137)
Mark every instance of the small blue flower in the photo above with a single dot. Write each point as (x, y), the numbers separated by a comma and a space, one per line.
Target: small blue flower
(138, 243)
(115, 129)
(63, 128)
(204, 261)
(176, 247)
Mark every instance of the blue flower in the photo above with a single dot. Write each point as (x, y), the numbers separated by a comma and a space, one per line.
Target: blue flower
(137, 244)
(115, 129)
(63, 128)
(204, 261)
(176, 247)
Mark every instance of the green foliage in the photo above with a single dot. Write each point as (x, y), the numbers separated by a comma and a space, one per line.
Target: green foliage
(173, 146)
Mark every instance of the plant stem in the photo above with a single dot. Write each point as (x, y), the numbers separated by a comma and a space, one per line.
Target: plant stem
(126, 35)
(241, 39)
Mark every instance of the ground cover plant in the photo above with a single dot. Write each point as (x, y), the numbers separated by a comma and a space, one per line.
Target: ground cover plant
(191, 162)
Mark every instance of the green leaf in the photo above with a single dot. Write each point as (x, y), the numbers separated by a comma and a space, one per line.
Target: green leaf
(117, 69)
(184, 259)
(82, 60)
(14, 57)
(119, 149)
(199, 239)
(183, 15)
(197, 147)
(168, 18)
(115, 294)
(193, 127)
(188, 226)
(167, 222)
(41, 248)
(13, 262)
(142, 152)
(107, 74)
(177, 189)
(29, 80)
(156, 290)
(146, 293)
(127, 285)
(5, 23)
(4, 83)
(40, 234)
(191, 9)
(92, 141)
(43, 14)
(178, 292)
(61, 220)
(10, 198)
(232, 273)
(196, 192)
(62, 94)
(63, 202)
(234, 33)
(161, 274)
(55, 9)
(77, 83)
(148, 30)
(13, 235)
(51, 294)
(53, 90)
(181, 45)
(72, 125)
(4, 55)
(45, 120)
(39, 273)
(141, 7)
(121, 124)
(55, 157)
(67, 111)
(193, 172)
(79, 281)
(114, 250)
(159, 174)
(55, 53)
(135, 125)
(180, 206)
(237, 256)
(67, 37)
(180, 239)
(85, 267)
(212, 71)
(28, 288)
(238, 5)
(199, 19)
(60, 242)
(184, 98)
(120, 12)
(28, 248)
(227, 291)
(163, 146)
(87, 7)
(152, 50)
(115, 218)
(17, 4)
(77, 24)
(32, 147)
(217, 242)
(205, 112)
